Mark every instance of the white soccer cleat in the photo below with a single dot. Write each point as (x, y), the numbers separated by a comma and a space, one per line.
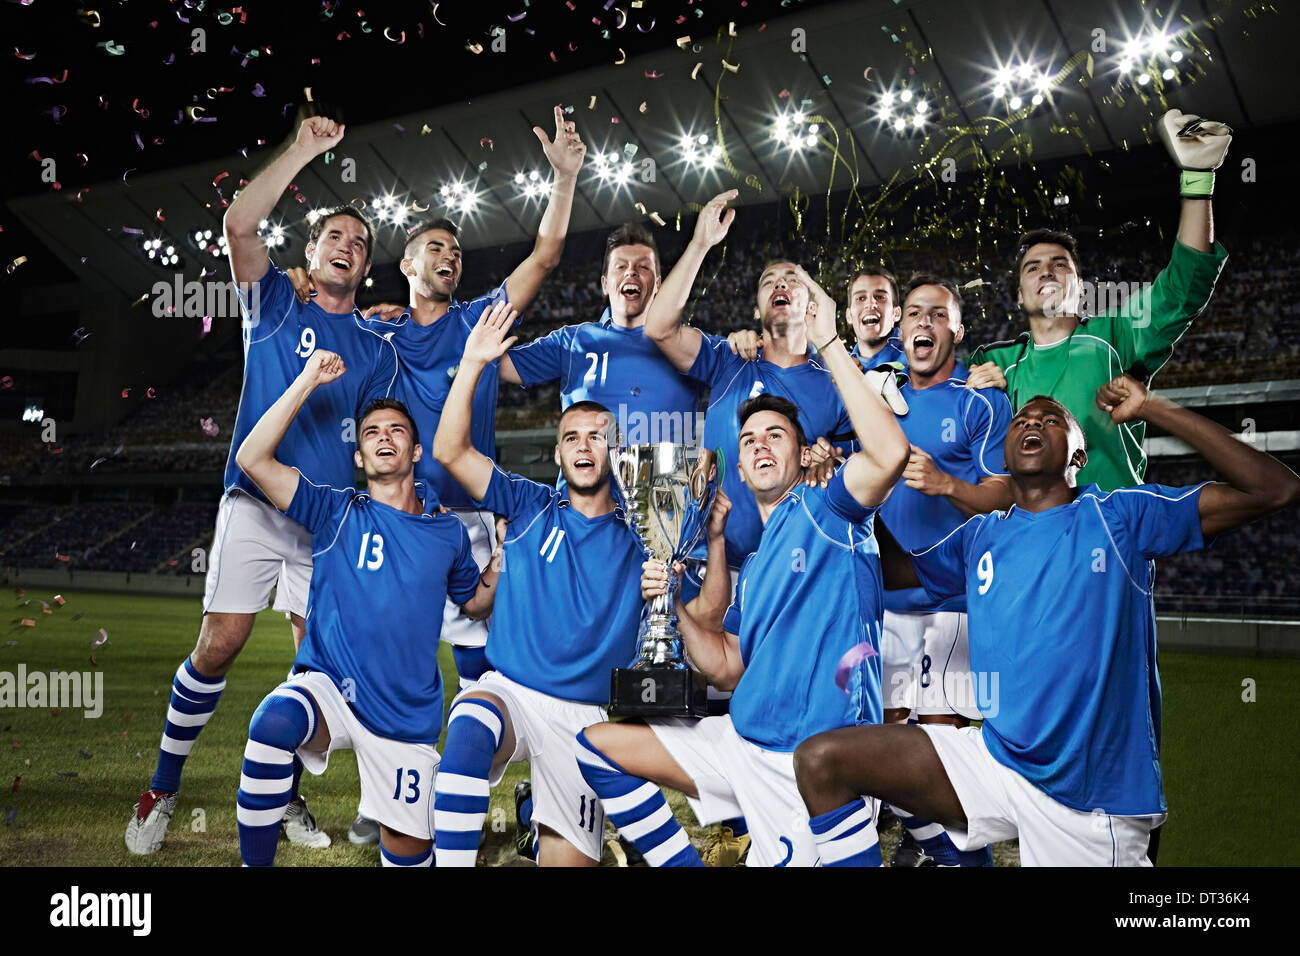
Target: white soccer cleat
(148, 827)
(300, 826)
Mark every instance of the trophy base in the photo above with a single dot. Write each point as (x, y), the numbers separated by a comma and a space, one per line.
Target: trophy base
(658, 692)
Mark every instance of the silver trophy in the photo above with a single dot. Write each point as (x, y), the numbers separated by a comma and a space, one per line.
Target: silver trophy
(668, 490)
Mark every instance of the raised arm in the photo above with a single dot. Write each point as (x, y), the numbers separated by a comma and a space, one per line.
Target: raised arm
(255, 202)
(1256, 483)
(870, 474)
(451, 444)
(565, 154)
(256, 456)
(709, 607)
(663, 324)
(992, 493)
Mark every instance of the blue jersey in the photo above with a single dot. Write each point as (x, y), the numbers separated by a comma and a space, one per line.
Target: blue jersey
(619, 368)
(380, 580)
(569, 596)
(963, 430)
(809, 594)
(892, 351)
(429, 356)
(280, 334)
(1062, 636)
(733, 381)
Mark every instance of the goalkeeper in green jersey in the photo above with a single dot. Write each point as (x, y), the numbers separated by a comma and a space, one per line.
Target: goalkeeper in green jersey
(1069, 357)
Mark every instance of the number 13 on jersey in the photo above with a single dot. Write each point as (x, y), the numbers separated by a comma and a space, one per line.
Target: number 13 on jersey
(376, 544)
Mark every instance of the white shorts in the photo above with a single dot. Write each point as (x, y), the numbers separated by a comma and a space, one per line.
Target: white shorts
(544, 728)
(925, 664)
(736, 778)
(1000, 804)
(396, 776)
(256, 548)
(457, 629)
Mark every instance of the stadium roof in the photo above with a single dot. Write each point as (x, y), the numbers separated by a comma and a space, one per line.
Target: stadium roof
(832, 65)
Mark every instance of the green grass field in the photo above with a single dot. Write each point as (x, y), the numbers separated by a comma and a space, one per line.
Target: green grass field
(1230, 767)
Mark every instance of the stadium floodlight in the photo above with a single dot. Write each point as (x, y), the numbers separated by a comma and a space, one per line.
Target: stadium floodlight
(1144, 79)
(1176, 56)
(1169, 73)
(1015, 103)
(900, 124)
(905, 96)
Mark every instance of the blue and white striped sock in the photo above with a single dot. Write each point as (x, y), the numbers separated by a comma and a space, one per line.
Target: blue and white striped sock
(935, 842)
(283, 722)
(460, 790)
(847, 836)
(637, 808)
(194, 698)
(416, 859)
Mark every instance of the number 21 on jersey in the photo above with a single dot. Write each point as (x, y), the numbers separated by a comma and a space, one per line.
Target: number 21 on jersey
(376, 544)
(600, 360)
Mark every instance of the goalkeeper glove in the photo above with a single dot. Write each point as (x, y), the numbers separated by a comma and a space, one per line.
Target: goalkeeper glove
(1198, 146)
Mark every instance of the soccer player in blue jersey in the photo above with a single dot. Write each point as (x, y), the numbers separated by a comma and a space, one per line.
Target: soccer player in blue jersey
(1062, 630)
(955, 470)
(566, 614)
(362, 680)
(786, 368)
(809, 594)
(611, 361)
(874, 310)
(255, 548)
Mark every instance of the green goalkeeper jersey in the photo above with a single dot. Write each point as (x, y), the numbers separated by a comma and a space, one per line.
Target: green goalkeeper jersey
(1138, 338)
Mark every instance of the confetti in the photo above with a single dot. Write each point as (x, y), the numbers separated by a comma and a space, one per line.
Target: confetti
(850, 661)
(642, 108)
(15, 264)
(435, 16)
(207, 324)
(7, 382)
(83, 755)
(17, 781)
(65, 773)
(486, 143)
(729, 68)
(622, 57)
(58, 599)
(683, 42)
(592, 105)
(27, 621)
(210, 428)
(696, 72)
(103, 638)
(653, 75)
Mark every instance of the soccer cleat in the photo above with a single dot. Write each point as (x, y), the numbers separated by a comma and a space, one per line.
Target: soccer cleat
(910, 853)
(524, 843)
(363, 831)
(300, 826)
(723, 848)
(625, 852)
(148, 826)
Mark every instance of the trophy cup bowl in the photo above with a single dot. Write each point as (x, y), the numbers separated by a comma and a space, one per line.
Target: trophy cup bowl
(668, 490)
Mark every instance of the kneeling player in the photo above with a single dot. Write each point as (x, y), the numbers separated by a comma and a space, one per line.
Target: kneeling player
(362, 680)
(1061, 616)
(810, 594)
(565, 617)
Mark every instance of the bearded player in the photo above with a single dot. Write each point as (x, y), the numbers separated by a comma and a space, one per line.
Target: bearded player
(566, 614)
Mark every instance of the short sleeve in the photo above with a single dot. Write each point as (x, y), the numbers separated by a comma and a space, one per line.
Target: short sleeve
(315, 506)
(267, 299)
(731, 621)
(942, 566)
(1159, 520)
(841, 502)
(715, 364)
(383, 376)
(473, 310)
(988, 416)
(516, 497)
(462, 582)
(541, 360)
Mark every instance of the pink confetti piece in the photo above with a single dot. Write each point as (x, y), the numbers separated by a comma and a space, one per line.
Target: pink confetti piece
(103, 638)
(850, 662)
